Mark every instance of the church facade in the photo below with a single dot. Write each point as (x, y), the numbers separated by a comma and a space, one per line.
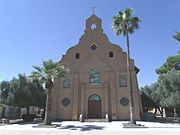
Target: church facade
(97, 83)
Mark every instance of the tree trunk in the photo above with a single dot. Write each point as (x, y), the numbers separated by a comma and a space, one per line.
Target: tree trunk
(155, 111)
(43, 114)
(161, 111)
(175, 114)
(132, 120)
(47, 120)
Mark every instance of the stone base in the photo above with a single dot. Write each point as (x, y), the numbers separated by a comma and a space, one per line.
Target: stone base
(4, 121)
(47, 126)
(129, 125)
(96, 120)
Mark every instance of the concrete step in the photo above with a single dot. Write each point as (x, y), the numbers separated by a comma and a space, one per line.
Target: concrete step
(96, 120)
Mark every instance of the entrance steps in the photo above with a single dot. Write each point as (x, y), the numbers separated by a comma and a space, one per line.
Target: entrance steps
(96, 120)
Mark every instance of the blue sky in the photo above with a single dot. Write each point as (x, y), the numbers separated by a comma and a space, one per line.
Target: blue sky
(35, 30)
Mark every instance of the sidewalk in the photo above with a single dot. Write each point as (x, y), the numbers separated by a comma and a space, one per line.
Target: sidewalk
(91, 128)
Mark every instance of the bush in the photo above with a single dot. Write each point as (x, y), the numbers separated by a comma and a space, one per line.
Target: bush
(179, 120)
(28, 117)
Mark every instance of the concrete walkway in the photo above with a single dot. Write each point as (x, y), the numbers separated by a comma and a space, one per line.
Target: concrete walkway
(91, 128)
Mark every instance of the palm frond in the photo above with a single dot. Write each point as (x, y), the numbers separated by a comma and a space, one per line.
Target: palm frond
(35, 74)
(120, 13)
(128, 12)
(117, 29)
(131, 29)
(62, 72)
(118, 24)
(37, 68)
(134, 22)
(177, 36)
(43, 80)
(125, 21)
(124, 33)
(49, 71)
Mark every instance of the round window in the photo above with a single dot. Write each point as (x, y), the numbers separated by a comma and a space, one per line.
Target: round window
(124, 101)
(65, 102)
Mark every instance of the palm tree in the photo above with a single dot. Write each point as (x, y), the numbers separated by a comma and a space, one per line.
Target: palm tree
(125, 23)
(47, 74)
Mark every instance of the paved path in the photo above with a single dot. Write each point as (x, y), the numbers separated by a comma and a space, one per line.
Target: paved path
(91, 128)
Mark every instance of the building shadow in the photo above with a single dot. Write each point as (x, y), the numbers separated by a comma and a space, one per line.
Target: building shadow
(82, 128)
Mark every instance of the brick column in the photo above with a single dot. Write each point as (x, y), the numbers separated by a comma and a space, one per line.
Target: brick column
(105, 88)
(113, 96)
(75, 96)
(82, 99)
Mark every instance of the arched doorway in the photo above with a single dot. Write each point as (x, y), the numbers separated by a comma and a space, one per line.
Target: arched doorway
(94, 106)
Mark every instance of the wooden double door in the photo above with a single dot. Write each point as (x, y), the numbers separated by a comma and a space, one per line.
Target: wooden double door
(94, 106)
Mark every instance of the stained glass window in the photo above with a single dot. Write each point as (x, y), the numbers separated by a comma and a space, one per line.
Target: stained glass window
(94, 77)
(66, 83)
(94, 97)
(122, 81)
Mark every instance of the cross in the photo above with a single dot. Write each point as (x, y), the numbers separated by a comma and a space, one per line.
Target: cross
(93, 8)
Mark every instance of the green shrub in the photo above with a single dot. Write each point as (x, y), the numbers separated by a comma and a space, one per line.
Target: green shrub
(179, 120)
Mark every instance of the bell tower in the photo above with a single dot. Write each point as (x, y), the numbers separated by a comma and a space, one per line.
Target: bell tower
(93, 24)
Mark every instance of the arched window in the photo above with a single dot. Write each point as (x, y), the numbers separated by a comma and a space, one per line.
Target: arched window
(94, 97)
(94, 77)
(93, 26)
(77, 55)
(111, 54)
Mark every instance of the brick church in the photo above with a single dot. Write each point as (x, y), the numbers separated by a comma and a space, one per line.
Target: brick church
(97, 82)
